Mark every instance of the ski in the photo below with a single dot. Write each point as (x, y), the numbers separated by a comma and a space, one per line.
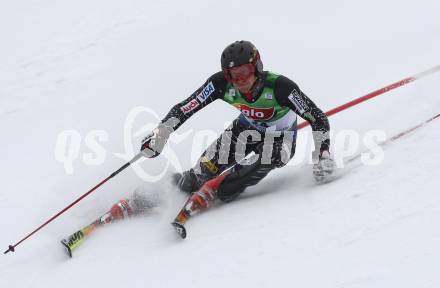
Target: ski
(180, 229)
(120, 210)
(74, 240)
(66, 246)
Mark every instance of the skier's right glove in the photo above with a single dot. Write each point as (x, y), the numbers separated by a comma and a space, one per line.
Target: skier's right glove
(153, 144)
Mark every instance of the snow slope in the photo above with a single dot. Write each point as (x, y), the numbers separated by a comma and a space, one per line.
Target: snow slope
(85, 65)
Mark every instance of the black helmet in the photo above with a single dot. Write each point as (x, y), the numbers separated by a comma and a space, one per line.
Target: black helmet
(239, 53)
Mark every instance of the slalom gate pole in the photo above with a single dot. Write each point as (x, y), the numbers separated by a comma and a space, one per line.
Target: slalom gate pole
(396, 137)
(377, 93)
(11, 248)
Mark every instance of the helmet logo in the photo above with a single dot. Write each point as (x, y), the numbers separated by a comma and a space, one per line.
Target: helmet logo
(231, 64)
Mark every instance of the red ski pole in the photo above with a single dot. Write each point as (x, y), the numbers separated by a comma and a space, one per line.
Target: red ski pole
(11, 248)
(377, 93)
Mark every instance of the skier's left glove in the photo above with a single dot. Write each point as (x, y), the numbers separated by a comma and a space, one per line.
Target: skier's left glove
(324, 168)
(153, 144)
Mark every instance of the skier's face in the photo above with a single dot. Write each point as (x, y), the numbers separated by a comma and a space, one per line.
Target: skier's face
(243, 77)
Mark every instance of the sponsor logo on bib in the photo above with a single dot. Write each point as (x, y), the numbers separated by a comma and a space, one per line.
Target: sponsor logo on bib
(256, 113)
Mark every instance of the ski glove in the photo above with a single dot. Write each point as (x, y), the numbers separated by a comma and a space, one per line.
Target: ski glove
(153, 144)
(324, 168)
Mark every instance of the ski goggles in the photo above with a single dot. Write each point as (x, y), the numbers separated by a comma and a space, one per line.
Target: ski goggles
(241, 73)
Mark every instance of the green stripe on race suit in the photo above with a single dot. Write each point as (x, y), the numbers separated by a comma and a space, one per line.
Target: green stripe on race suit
(265, 111)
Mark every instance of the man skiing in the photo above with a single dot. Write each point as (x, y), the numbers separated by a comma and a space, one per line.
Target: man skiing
(269, 105)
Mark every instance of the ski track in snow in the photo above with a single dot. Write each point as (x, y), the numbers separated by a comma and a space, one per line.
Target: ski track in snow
(85, 66)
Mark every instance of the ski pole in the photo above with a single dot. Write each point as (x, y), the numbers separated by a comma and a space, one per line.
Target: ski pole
(377, 93)
(396, 137)
(11, 248)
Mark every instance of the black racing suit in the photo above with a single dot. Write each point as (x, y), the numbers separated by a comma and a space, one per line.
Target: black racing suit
(285, 95)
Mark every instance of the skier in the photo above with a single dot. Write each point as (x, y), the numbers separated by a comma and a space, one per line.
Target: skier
(269, 104)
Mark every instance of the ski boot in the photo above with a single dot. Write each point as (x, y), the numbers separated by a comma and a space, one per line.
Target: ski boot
(187, 181)
(197, 201)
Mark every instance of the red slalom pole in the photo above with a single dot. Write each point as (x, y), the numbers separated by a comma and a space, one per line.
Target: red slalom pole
(397, 136)
(377, 93)
(11, 248)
